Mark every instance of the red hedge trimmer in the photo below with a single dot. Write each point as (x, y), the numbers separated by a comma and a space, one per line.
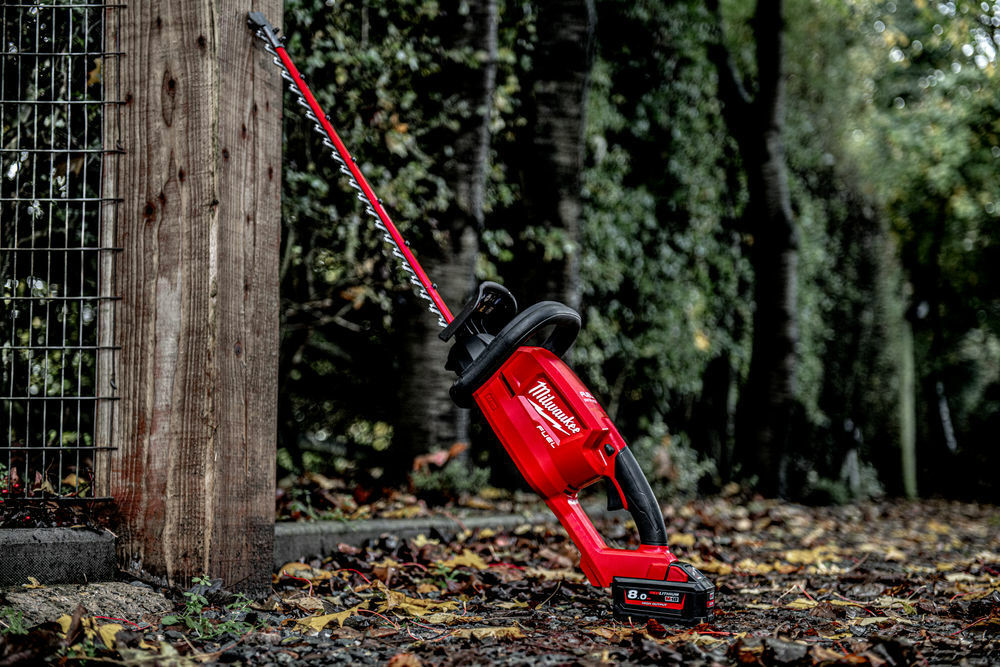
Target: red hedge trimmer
(554, 429)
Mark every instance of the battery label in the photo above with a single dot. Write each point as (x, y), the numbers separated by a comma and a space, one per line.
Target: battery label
(652, 597)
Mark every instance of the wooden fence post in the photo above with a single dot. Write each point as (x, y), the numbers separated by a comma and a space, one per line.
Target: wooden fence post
(200, 179)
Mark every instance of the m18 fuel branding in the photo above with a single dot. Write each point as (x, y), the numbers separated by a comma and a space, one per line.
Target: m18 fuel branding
(546, 404)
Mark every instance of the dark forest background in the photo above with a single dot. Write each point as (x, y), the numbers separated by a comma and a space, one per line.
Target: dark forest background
(778, 220)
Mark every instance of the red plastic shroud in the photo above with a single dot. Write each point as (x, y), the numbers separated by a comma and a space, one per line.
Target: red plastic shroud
(556, 432)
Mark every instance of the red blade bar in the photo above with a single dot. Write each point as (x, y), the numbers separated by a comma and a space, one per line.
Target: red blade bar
(400, 247)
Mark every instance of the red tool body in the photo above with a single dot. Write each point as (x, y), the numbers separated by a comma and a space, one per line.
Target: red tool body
(562, 441)
(509, 364)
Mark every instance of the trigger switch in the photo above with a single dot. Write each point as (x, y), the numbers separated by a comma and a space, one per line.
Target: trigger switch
(614, 500)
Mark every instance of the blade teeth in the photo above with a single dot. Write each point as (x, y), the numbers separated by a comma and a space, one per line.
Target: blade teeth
(390, 242)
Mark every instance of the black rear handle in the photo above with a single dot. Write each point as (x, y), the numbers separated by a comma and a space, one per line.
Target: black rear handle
(639, 500)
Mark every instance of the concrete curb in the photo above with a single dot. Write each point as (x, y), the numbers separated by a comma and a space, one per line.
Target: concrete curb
(315, 538)
(56, 555)
(81, 555)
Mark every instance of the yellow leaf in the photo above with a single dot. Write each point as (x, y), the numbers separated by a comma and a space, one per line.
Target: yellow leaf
(422, 541)
(95, 75)
(108, 633)
(514, 604)
(64, 622)
(681, 540)
(895, 554)
(938, 527)
(408, 512)
(32, 583)
(317, 623)
(758, 605)
(887, 602)
(509, 632)
(801, 603)
(467, 559)
(553, 575)
(414, 606)
(753, 567)
(304, 571)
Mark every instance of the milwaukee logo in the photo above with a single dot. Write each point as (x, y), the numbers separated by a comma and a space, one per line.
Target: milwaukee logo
(545, 404)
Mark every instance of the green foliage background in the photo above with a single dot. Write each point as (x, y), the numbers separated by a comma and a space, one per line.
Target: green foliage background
(893, 147)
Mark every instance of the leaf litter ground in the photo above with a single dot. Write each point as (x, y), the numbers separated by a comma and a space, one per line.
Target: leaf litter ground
(871, 584)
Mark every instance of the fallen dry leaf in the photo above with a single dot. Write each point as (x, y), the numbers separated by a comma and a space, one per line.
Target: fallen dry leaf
(509, 632)
(467, 559)
(317, 623)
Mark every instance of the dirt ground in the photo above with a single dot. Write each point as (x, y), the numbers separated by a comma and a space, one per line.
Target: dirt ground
(873, 584)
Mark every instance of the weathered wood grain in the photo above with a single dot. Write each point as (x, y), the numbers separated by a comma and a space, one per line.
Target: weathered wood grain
(193, 474)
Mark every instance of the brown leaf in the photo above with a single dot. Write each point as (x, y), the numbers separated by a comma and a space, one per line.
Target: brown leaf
(302, 571)
(404, 660)
(508, 632)
(381, 631)
(96, 75)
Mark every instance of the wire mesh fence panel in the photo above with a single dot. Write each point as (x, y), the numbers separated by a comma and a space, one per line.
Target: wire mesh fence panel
(56, 247)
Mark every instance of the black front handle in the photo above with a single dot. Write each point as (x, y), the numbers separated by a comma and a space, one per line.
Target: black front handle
(639, 500)
(531, 321)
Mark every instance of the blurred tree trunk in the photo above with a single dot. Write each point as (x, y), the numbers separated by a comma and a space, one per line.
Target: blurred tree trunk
(428, 418)
(553, 167)
(769, 407)
(907, 410)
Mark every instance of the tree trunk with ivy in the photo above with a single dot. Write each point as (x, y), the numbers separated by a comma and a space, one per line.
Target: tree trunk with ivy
(770, 410)
(428, 418)
(548, 232)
